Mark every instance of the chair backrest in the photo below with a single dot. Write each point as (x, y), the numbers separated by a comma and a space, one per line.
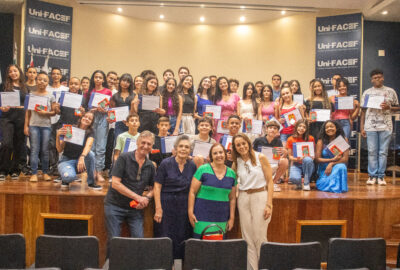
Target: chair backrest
(208, 254)
(282, 256)
(12, 251)
(140, 253)
(398, 257)
(67, 252)
(348, 253)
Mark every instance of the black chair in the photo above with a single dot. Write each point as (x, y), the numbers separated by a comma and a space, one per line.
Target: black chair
(140, 253)
(281, 256)
(211, 255)
(12, 251)
(347, 253)
(67, 252)
(398, 257)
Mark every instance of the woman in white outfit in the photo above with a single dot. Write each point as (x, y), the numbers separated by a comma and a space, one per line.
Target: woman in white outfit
(247, 108)
(255, 195)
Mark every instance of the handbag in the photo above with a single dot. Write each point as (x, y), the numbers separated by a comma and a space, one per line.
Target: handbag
(214, 235)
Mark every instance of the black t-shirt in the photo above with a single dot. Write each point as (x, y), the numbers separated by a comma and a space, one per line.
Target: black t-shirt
(262, 141)
(127, 169)
(14, 112)
(67, 116)
(120, 102)
(156, 154)
(73, 151)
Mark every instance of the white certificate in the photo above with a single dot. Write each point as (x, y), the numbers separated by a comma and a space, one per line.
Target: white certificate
(71, 100)
(322, 115)
(57, 95)
(10, 99)
(130, 145)
(292, 117)
(121, 113)
(201, 148)
(78, 136)
(256, 127)
(96, 98)
(299, 98)
(338, 146)
(227, 142)
(344, 103)
(167, 144)
(332, 92)
(222, 127)
(40, 100)
(215, 109)
(303, 149)
(373, 101)
(271, 154)
(150, 103)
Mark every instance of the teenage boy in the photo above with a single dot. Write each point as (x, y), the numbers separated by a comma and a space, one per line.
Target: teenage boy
(112, 79)
(183, 72)
(163, 126)
(259, 86)
(234, 85)
(167, 74)
(272, 140)
(376, 126)
(276, 86)
(133, 123)
(234, 124)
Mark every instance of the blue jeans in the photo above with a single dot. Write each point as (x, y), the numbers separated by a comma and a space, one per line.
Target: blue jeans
(345, 123)
(306, 167)
(100, 128)
(115, 215)
(120, 127)
(172, 122)
(67, 168)
(378, 145)
(39, 139)
(284, 137)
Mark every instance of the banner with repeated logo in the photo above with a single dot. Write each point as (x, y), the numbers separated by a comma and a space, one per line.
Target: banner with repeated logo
(48, 35)
(338, 50)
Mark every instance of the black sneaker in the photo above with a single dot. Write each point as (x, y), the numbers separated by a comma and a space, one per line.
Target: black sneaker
(14, 176)
(64, 186)
(95, 187)
(2, 176)
(26, 171)
(57, 180)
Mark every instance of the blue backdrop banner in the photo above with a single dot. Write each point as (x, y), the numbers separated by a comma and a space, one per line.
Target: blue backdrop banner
(338, 50)
(48, 35)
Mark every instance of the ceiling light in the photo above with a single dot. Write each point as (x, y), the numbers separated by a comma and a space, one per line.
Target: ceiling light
(242, 19)
(161, 16)
(242, 7)
(119, 9)
(202, 5)
(385, 12)
(162, 4)
(202, 19)
(283, 12)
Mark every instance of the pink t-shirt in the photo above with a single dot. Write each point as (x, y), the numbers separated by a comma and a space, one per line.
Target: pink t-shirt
(104, 91)
(228, 108)
(340, 114)
(267, 111)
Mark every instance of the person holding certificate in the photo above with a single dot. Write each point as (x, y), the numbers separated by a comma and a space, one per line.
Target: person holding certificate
(98, 85)
(171, 189)
(247, 108)
(376, 125)
(267, 106)
(172, 104)
(205, 127)
(156, 155)
(254, 202)
(77, 158)
(38, 127)
(332, 169)
(352, 107)
(204, 97)
(133, 123)
(185, 89)
(303, 164)
(12, 116)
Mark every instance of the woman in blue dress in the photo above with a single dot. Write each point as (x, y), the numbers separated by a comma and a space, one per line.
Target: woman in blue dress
(332, 170)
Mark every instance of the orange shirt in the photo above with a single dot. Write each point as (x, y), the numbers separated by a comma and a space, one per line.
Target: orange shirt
(291, 140)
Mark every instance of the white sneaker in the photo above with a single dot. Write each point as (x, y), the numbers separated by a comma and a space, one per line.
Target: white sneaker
(306, 187)
(276, 188)
(381, 182)
(371, 181)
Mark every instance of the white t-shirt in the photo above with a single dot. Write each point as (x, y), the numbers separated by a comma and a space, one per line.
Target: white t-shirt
(51, 89)
(376, 119)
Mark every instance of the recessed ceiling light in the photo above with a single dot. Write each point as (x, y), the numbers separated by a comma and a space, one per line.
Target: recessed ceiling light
(385, 12)
(202, 19)
(202, 5)
(242, 7)
(283, 12)
(242, 19)
(162, 16)
(119, 9)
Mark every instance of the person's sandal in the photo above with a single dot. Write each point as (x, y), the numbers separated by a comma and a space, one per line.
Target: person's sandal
(33, 178)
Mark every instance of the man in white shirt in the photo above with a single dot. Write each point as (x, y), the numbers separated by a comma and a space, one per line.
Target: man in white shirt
(376, 125)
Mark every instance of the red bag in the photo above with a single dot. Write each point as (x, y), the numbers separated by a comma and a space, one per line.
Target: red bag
(214, 235)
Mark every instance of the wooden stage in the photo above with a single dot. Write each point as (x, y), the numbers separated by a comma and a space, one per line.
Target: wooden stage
(370, 211)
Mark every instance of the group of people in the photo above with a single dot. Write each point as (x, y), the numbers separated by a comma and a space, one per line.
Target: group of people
(192, 193)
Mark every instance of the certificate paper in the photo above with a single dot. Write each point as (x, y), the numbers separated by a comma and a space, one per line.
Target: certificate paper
(227, 142)
(332, 92)
(71, 100)
(9, 99)
(299, 98)
(96, 98)
(344, 103)
(254, 128)
(130, 145)
(32, 100)
(78, 136)
(201, 148)
(57, 95)
(303, 149)
(373, 101)
(338, 146)
(292, 117)
(222, 127)
(167, 144)
(121, 113)
(271, 153)
(150, 103)
(320, 115)
(214, 109)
